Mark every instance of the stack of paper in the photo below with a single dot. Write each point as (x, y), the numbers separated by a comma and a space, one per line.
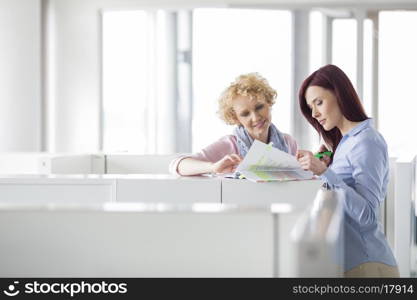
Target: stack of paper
(266, 163)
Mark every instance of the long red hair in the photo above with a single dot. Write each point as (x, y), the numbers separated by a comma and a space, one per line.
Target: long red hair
(330, 77)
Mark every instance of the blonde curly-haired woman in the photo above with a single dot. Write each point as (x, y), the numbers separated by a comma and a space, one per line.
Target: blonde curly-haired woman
(246, 103)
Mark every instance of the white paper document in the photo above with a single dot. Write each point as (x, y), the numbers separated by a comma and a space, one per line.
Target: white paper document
(266, 163)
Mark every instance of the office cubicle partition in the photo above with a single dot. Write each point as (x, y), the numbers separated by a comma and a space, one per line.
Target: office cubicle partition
(143, 240)
(84, 163)
(21, 163)
(397, 215)
(36, 163)
(137, 240)
(137, 164)
(72, 164)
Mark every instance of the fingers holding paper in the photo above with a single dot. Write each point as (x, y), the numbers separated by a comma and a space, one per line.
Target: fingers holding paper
(308, 162)
(227, 164)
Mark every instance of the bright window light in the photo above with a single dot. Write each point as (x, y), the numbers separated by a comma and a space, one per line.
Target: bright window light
(367, 67)
(316, 40)
(397, 80)
(125, 70)
(344, 46)
(231, 42)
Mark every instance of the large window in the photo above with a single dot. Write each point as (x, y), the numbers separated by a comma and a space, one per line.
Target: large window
(316, 40)
(368, 78)
(139, 81)
(146, 71)
(230, 42)
(125, 81)
(344, 46)
(245, 41)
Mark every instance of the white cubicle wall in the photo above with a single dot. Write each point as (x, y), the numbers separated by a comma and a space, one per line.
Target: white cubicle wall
(397, 218)
(55, 189)
(152, 188)
(132, 240)
(72, 164)
(47, 163)
(21, 163)
(142, 240)
(79, 163)
(137, 164)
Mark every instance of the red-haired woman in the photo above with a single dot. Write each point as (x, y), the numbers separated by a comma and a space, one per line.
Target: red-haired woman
(359, 166)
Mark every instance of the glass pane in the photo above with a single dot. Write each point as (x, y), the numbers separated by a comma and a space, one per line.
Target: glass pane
(344, 46)
(124, 81)
(316, 40)
(397, 80)
(230, 42)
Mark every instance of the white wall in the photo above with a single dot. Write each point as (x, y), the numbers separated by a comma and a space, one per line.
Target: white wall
(20, 67)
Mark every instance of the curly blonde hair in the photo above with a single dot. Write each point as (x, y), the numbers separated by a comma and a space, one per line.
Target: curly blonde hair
(250, 85)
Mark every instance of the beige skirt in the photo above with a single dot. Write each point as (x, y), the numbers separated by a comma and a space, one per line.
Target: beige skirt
(373, 269)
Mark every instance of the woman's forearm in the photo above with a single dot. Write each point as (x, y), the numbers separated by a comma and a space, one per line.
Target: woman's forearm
(191, 166)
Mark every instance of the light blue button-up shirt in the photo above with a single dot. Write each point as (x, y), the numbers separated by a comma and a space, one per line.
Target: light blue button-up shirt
(360, 168)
